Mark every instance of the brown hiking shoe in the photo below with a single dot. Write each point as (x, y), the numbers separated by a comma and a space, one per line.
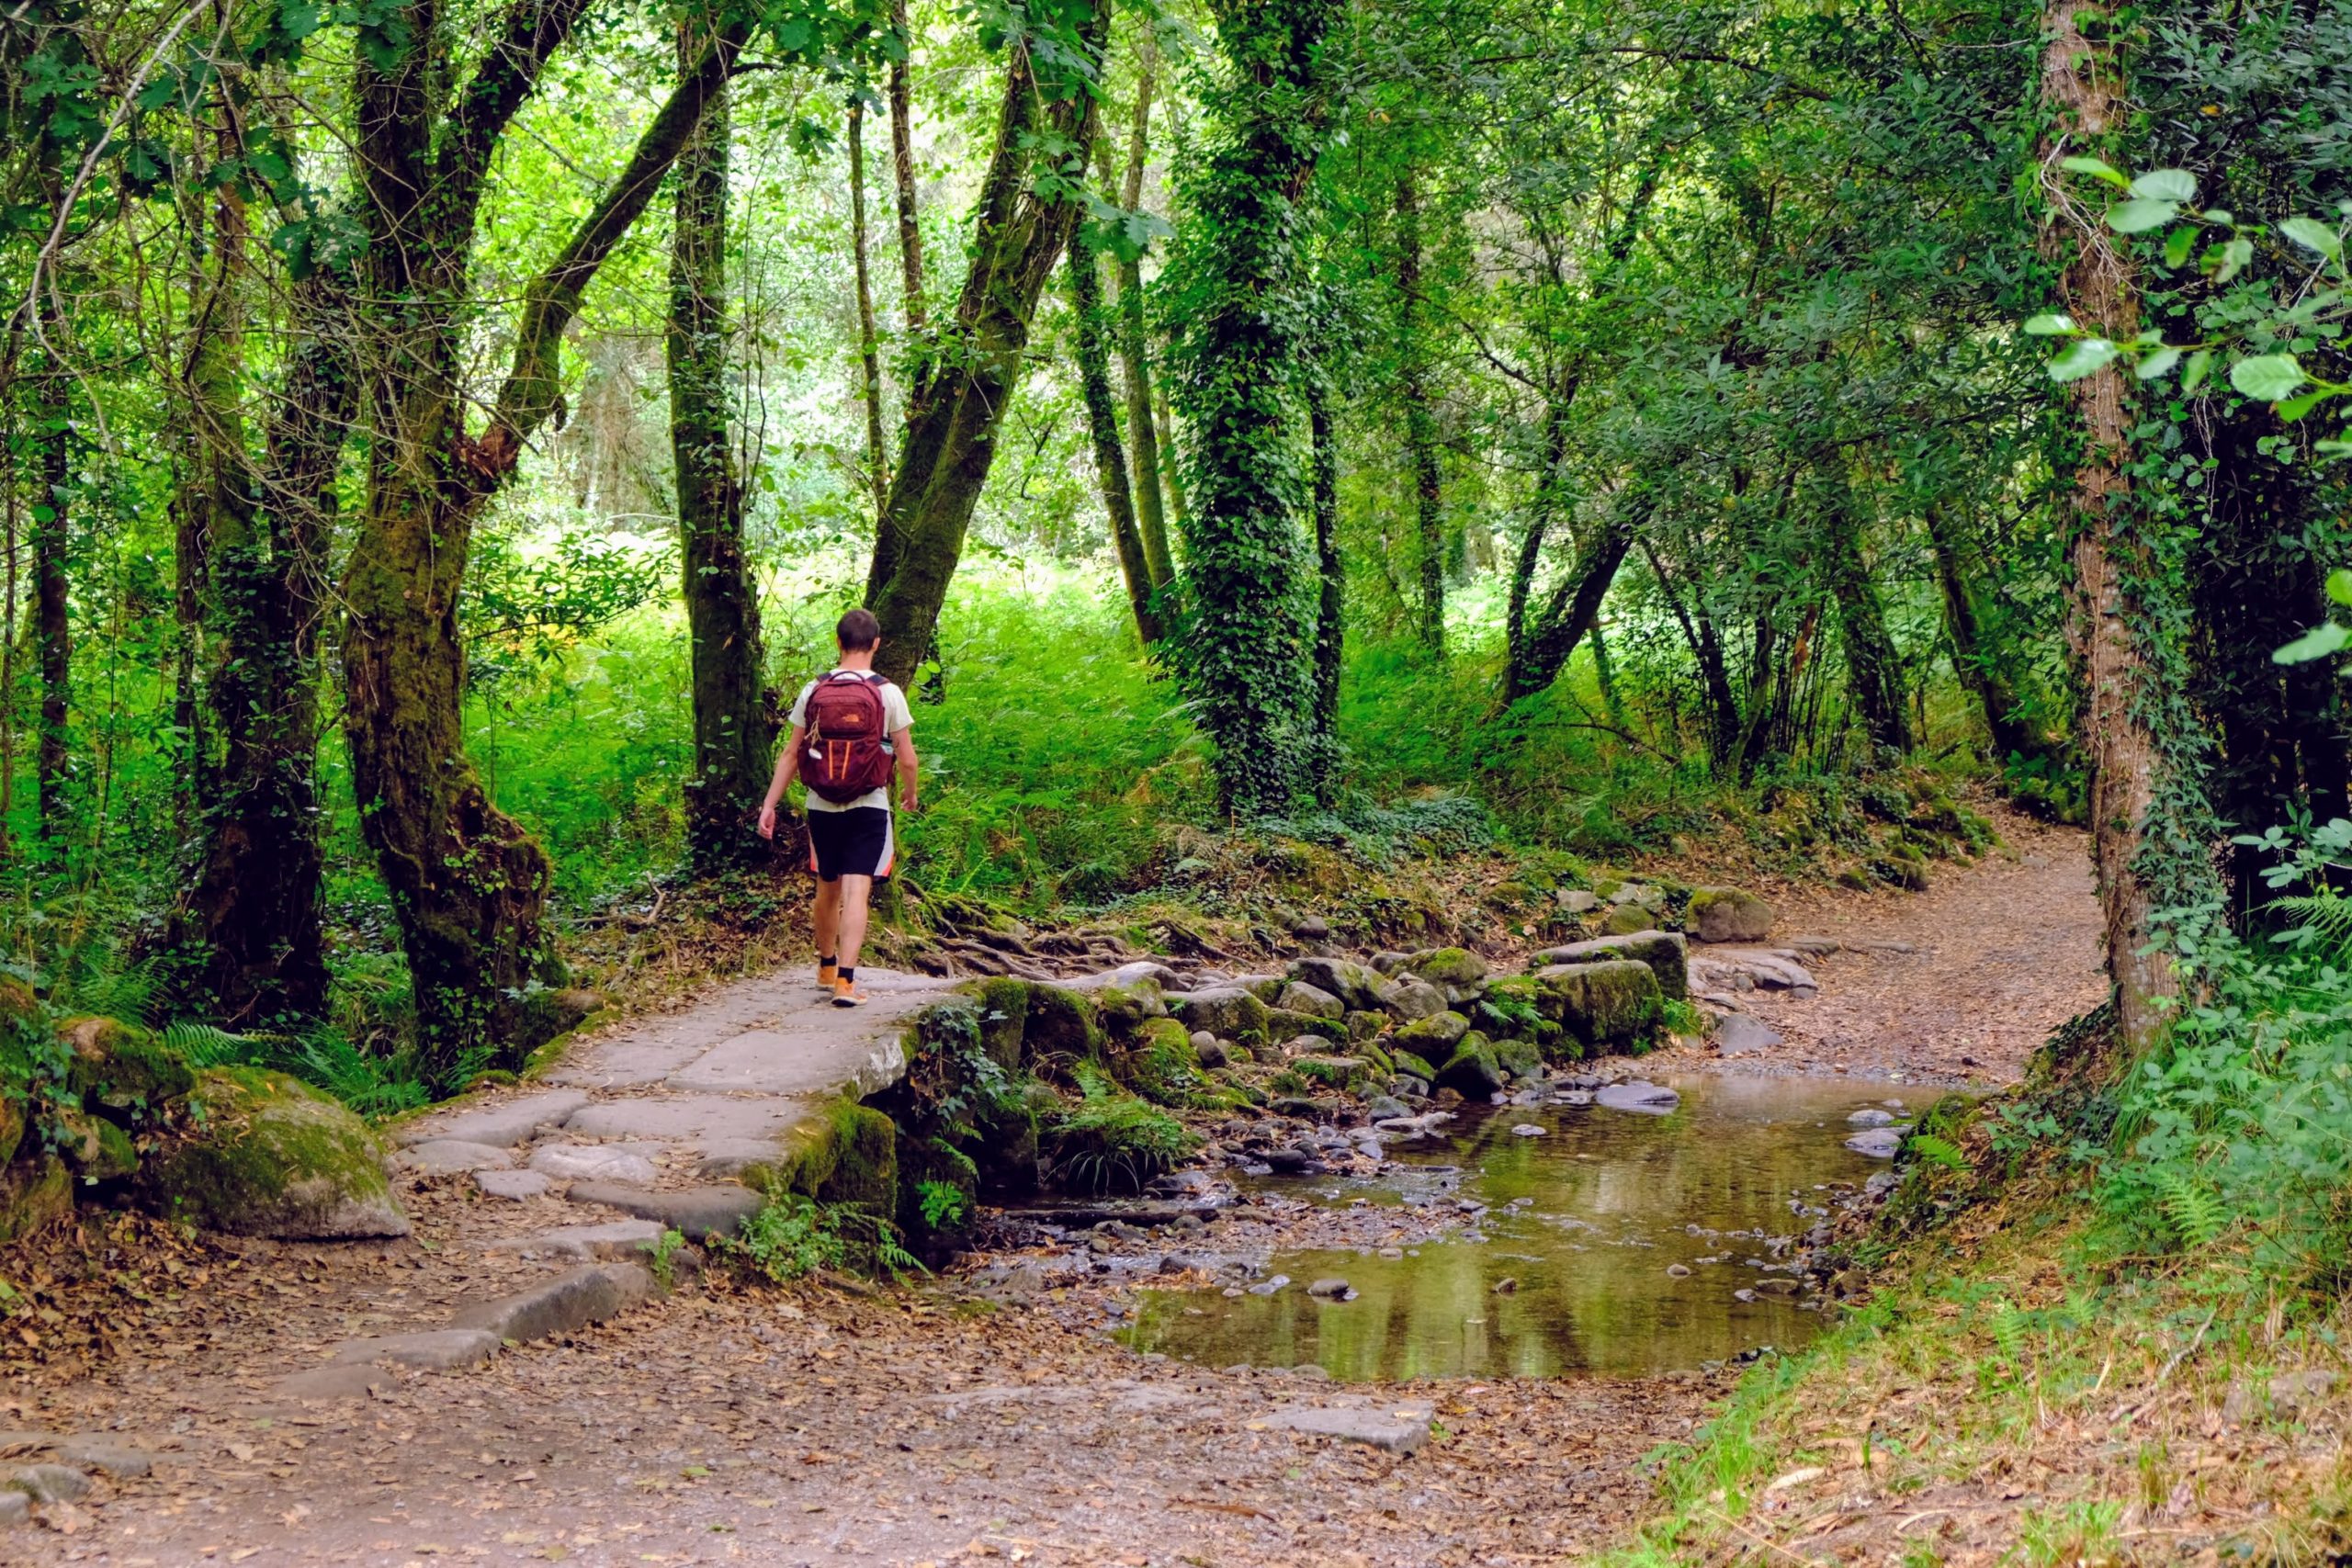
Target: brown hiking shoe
(827, 976)
(848, 994)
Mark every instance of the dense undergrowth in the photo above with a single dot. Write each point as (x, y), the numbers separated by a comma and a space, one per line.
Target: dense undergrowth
(2110, 1316)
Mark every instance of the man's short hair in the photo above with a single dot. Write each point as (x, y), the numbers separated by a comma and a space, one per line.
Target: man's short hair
(857, 631)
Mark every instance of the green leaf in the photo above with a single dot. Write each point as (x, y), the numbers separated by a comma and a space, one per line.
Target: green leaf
(2267, 378)
(2081, 358)
(2138, 215)
(2314, 235)
(2234, 255)
(2336, 449)
(2165, 185)
(2340, 586)
(2097, 170)
(2295, 407)
(2178, 244)
(2317, 643)
(2201, 365)
(2049, 324)
(2157, 364)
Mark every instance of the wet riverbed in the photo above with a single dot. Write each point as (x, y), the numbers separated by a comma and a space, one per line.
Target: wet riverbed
(1615, 1241)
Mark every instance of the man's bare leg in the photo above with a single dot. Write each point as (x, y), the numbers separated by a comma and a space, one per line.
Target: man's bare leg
(825, 919)
(856, 895)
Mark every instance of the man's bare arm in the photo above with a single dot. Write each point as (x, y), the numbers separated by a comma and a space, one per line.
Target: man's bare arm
(787, 768)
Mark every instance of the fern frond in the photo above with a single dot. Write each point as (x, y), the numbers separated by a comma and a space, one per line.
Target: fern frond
(1938, 1151)
(2194, 1211)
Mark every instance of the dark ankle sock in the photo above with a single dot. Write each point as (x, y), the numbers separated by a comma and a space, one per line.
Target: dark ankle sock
(826, 962)
(849, 973)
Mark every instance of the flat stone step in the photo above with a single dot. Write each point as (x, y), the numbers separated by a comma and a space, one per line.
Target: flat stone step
(100, 1452)
(453, 1157)
(697, 1213)
(623, 1241)
(571, 1299)
(431, 1350)
(684, 1116)
(46, 1483)
(517, 1186)
(501, 1125)
(630, 1164)
(1396, 1428)
(322, 1385)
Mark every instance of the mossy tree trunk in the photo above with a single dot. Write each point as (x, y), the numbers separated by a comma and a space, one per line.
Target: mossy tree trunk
(1244, 303)
(1873, 666)
(869, 350)
(1977, 665)
(1421, 418)
(50, 538)
(467, 883)
(1330, 613)
(968, 378)
(1134, 356)
(726, 654)
(902, 169)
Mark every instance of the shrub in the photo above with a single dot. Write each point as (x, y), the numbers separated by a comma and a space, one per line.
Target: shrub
(1114, 1141)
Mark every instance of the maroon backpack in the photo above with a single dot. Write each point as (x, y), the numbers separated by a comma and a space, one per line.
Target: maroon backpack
(849, 751)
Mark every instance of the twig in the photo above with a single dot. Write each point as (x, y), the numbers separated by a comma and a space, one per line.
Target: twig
(2157, 1387)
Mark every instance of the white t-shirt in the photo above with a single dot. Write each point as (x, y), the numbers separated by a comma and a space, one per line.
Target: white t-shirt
(896, 719)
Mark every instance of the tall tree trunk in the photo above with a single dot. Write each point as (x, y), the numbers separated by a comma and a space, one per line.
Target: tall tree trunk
(1978, 668)
(1714, 674)
(1420, 423)
(1143, 435)
(1330, 610)
(1243, 291)
(468, 885)
(1873, 668)
(726, 654)
(52, 612)
(244, 935)
(956, 407)
(1102, 424)
(902, 166)
(2082, 87)
(869, 353)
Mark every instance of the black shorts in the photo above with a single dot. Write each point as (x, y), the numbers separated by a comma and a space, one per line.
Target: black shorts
(856, 842)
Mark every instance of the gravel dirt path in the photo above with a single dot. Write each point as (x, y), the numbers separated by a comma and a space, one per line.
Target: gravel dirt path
(949, 1422)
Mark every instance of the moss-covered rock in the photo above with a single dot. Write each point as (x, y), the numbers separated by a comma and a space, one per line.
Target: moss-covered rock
(121, 1068)
(1122, 1009)
(1003, 1004)
(1227, 1011)
(1298, 996)
(94, 1148)
(841, 1153)
(1411, 1065)
(1409, 997)
(1624, 920)
(1727, 914)
(1357, 987)
(1382, 1062)
(1059, 1030)
(18, 1004)
(1665, 952)
(12, 1126)
(1610, 1006)
(1163, 1066)
(34, 1195)
(1520, 1058)
(1434, 1036)
(1472, 1071)
(261, 1154)
(1284, 1024)
(1350, 1073)
(1451, 967)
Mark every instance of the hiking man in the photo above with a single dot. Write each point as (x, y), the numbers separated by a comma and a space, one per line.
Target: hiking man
(849, 730)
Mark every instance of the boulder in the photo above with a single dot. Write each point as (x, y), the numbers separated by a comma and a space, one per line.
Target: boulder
(1365, 1025)
(1226, 1011)
(1577, 901)
(1453, 967)
(1265, 987)
(1637, 1095)
(1663, 951)
(1740, 1033)
(1413, 1067)
(1208, 1050)
(1334, 1072)
(95, 1147)
(261, 1153)
(1312, 1000)
(1434, 1036)
(1727, 914)
(1472, 1071)
(1625, 919)
(1411, 998)
(1284, 1024)
(34, 1193)
(120, 1069)
(1878, 1143)
(1387, 963)
(1610, 1005)
(1357, 987)
(1059, 1027)
(1520, 1058)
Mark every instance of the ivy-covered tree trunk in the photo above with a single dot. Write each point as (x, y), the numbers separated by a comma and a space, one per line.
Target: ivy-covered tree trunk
(1103, 426)
(956, 407)
(1420, 421)
(468, 885)
(50, 536)
(1242, 304)
(869, 351)
(2083, 91)
(726, 654)
(1330, 613)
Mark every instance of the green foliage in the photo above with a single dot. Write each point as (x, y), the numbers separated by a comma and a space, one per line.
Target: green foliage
(945, 1206)
(663, 1258)
(375, 1086)
(1113, 1141)
(793, 1237)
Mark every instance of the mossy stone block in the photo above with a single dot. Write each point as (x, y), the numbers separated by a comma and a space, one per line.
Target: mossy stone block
(1609, 1006)
(1520, 1058)
(1004, 1021)
(1413, 1067)
(1434, 1036)
(1284, 1024)
(95, 1147)
(1472, 1071)
(34, 1195)
(1059, 1029)
(1455, 966)
(261, 1153)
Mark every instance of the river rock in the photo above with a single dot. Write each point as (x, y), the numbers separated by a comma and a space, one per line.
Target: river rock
(1727, 914)
(1529, 1130)
(1357, 987)
(265, 1155)
(1625, 919)
(1742, 1033)
(1878, 1143)
(1394, 1427)
(1472, 1071)
(1334, 1288)
(517, 1186)
(1577, 901)
(1663, 951)
(1608, 1005)
(1520, 1058)
(1228, 1011)
(1298, 996)
(1637, 1095)
(1433, 1037)
(1210, 1049)
(1453, 967)
(1871, 1116)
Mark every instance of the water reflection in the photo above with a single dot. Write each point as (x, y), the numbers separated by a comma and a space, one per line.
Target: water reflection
(1588, 1220)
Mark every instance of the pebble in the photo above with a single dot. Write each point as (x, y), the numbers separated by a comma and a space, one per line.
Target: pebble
(1333, 1288)
(1268, 1287)
(1677, 1271)
(1527, 1130)
(1869, 1116)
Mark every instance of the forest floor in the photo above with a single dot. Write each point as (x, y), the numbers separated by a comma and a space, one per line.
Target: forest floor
(965, 1418)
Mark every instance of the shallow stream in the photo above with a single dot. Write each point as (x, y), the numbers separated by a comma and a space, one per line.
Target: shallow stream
(1570, 1264)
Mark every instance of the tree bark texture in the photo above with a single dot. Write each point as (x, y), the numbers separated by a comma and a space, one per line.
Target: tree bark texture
(869, 351)
(1873, 668)
(468, 884)
(902, 166)
(49, 537)
(1102, 425)
(1331, 612)
(2083, 90)
(726, 654)
(956, 409)
(1978, 666)
(1134, 357)
(1575, 607)
(1420, 421)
